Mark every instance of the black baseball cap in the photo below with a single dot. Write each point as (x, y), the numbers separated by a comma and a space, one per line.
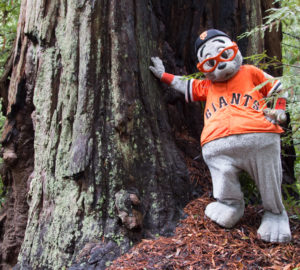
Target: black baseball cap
(207, 35)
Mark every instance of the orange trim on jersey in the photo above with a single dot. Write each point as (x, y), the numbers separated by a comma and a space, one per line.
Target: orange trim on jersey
(233, 107)
(167, 78)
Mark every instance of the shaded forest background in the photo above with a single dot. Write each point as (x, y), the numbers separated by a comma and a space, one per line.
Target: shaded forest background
(96, 151)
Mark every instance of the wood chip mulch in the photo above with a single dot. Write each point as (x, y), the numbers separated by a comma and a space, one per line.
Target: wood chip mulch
(199, 243)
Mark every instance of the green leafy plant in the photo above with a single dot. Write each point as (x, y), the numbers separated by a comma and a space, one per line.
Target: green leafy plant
(9, 13)
(291, 205)
(249, 189)
(197, 75)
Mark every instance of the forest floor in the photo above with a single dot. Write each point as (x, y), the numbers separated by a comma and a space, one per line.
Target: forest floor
(198, 243)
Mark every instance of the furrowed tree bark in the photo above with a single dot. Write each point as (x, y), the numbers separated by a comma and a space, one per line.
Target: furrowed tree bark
(104, 156)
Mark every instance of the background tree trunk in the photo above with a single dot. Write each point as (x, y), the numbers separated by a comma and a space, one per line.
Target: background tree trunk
(112, 152)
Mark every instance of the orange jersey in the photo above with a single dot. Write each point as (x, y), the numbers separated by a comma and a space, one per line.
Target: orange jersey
(234, 107)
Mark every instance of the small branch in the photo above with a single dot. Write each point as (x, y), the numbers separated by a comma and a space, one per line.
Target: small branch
(290, 45)
(291, 35)
(280, 64)
(287, 155)
(290, 65)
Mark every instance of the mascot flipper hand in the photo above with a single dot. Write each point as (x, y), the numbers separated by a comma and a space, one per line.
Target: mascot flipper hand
(239, 132)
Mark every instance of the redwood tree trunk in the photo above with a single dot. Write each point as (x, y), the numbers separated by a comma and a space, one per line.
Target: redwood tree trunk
(112, 148)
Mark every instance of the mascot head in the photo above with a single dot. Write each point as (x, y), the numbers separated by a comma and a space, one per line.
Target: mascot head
(219, 57)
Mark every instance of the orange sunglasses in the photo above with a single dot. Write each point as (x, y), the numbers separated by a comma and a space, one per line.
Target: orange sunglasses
(226, 55)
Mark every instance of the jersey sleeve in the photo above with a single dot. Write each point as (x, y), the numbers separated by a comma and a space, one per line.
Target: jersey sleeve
(270, 85)
(197, 90)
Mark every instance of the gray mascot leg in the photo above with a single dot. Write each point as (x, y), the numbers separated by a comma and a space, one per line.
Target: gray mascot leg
(259, 155)
(229, 207)
(265, 169)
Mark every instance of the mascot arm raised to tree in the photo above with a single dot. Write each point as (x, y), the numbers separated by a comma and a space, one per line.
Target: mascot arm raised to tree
(239, 132)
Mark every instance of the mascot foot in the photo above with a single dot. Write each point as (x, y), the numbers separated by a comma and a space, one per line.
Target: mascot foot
(224, 214)
(275, 228)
